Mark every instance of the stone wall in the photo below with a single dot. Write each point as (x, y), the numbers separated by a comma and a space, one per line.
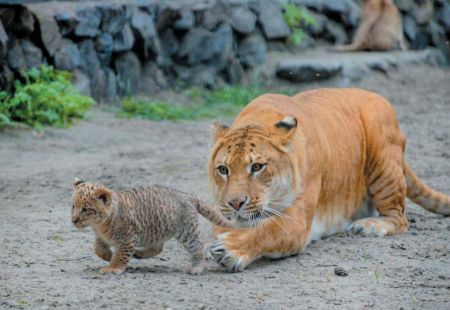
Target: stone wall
(116, 48)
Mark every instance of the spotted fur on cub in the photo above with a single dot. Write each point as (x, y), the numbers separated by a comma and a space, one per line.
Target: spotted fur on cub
(138, 221)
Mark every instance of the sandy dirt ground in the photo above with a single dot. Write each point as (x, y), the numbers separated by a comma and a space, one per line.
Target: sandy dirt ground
(45, 262)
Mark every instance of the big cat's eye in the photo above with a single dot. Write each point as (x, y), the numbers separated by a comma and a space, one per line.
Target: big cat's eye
(222, 170)
(257, 167)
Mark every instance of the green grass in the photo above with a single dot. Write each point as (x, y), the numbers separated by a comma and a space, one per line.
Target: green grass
(205, 104)
(43, 96)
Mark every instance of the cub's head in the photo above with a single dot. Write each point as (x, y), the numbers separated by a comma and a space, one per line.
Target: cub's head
(253, 171)
(91, 203)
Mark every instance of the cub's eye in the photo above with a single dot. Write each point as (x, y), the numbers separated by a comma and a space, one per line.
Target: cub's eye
(222, 170)
(257, 167)
(73, 207)
(83, 210)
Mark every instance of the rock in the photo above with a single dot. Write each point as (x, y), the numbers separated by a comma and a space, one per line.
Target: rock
(200, 75)
(403, 5)
(252, 51)
(195, 46)
(7, 16)
(24, 22)
(110, 94)
(352, 15)
(152, 79)
(340, 271)
(234, 72)
(49, 30)
(124, 40)
(242, 20)
(423, 11)
(185, 21)
(67, 21)
(221, 45)
(165, 18)
(14, 56)
(89, 22)
(409, 27)
(422, 39)
(114, 18)
(169, 41)
(214, 16)
(32, 54)
(81, 82)
(104, 48)
(3, 42)
(90, 65)
(128, 72)
(318, 28)
(444, 16)
(271, 20)
(68, 56)
(307, 70)
(437, 33)
(147, 38)
(335, 33)
(6, 78)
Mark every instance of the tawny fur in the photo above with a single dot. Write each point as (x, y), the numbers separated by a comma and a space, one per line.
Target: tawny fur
(380, 28)
(332, 162)
(138, 221)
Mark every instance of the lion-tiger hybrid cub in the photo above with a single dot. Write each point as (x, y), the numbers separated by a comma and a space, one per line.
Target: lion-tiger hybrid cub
(138, 221)
(380, 28)
(295, 169)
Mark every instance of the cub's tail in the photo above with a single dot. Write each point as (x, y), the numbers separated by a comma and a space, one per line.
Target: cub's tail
(424, 195)
(212, 214)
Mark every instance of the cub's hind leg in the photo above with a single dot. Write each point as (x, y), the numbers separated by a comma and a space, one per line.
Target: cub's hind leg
(149, 252)
(387, 187)
(189, 236)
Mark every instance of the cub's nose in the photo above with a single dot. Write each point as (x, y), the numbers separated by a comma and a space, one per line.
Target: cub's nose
(237, 203)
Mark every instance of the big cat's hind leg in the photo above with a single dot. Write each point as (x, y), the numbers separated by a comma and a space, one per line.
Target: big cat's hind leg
(387, 186)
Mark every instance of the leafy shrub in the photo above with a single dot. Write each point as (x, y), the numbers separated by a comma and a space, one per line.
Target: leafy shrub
(45, 97)
(297, 18)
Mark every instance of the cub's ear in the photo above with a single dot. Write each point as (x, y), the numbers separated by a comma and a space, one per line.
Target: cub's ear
(286, 128)
(219, 130)
(103, 195)
(76, 182)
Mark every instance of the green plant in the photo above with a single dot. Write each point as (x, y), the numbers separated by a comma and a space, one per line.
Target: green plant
(45, 96)
(297, 18)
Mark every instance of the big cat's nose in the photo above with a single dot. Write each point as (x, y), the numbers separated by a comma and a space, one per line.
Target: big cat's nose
(237, 203)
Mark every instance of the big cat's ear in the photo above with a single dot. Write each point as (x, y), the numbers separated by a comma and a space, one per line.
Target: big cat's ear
(219, 130)
(76, 182)
(286, 128)
(103, 195)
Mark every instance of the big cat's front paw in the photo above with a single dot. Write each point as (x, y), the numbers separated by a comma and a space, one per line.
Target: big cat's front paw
(226, 252)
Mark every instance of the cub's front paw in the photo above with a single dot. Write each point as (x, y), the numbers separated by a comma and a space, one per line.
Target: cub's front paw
(104, 255)
(109, 269)
(225, 252)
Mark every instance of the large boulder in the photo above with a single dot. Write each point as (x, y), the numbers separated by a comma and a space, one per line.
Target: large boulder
(124, 40)
(185, 20)
(214, 16)
(195, 46)
(24, 22)
(242, 20)
(89, 18)
(114, 17)
(22, 55)
(104, 48)
(110, 94)
(68, 56)
(409, 28)
(252, 51)
(3, 42)
(271, 19)
(67, 21)
(147, 38)
(128, 72)
(48, 28)
(152, 79)
(81, 82)
(169, 42)
(221, 45)
(90, 65)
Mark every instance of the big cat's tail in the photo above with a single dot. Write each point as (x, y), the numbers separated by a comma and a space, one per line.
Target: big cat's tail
(212, 214)
(424, 195)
